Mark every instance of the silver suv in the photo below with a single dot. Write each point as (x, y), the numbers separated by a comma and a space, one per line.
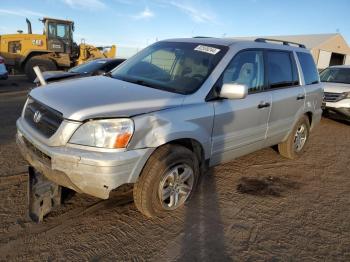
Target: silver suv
(336, 81)
(162, 117)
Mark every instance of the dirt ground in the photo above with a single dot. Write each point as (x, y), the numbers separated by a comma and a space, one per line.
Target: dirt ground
(260, 207)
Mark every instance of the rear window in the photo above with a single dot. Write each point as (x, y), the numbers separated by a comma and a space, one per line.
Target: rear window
(281, 69)
(113, 64)
(308, 67)
(88, 67)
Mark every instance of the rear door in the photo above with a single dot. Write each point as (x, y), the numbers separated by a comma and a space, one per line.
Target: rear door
(288, 96)
(313, 87)
(240, 125)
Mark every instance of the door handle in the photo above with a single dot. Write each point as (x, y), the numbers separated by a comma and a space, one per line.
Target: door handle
(300, 97)
(263, 104)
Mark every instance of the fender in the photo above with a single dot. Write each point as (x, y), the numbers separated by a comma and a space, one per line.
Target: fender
(193, 121)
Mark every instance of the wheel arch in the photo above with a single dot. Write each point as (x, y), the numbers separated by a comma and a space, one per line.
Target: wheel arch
(191, 144)
(301, 114)
(309, 116)
(31, 54)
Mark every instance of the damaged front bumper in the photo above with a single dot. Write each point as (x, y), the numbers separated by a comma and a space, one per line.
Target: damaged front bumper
(91, 172)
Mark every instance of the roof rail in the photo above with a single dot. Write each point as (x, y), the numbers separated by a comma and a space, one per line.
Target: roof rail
(202, 37)
(264, 40)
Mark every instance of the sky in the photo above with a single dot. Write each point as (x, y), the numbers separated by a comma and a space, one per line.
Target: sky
(138, 23)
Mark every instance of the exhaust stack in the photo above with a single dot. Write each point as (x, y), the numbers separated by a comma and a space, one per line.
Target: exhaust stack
(29, 24)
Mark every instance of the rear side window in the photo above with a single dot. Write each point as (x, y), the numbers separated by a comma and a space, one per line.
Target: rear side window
(281, 69)
(308, 67)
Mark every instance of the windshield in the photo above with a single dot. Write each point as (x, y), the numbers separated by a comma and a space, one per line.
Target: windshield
(336, 75)
(88, 67)
(57, 30)
(171, 66)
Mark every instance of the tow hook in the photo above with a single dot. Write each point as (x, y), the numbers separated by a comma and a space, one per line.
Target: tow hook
(43, 195)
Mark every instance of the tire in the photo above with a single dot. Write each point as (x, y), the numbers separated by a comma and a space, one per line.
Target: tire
(289, 148)
(44, 64)
(156, 180)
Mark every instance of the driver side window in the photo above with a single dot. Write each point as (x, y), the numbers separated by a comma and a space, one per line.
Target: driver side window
(52, 30)
(246, 68)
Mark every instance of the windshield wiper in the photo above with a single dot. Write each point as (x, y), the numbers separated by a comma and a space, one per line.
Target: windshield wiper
(148, 84)
(108, 74)
(136, 81)
(143, 83)
(73, 72)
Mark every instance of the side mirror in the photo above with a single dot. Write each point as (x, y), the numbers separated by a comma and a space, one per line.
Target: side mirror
(234, 91)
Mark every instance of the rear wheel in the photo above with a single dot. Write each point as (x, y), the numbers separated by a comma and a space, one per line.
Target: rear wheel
(167, 181)
(44, 64)
(294, 145)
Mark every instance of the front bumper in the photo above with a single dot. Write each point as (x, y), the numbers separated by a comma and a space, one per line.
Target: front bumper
(90, 172)
(341, 108)
(341, 111)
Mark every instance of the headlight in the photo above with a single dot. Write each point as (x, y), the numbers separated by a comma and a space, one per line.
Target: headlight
(344, 95)
(107, 133)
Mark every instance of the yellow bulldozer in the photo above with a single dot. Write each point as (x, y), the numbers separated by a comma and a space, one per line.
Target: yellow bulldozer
(53, 50)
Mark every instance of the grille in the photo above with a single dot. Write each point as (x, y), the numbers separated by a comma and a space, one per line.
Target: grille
(333, 97)
(42, 118)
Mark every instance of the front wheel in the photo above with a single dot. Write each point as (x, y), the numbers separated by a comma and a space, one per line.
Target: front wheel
(167, 180)
(294, 145)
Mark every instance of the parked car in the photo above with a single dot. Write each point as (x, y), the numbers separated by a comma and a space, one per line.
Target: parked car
(336, 81)
(165, 115)
(3, 71)
(91, 68)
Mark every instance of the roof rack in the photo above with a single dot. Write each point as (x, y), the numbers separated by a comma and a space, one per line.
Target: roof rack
(202, 37)
(265, 40)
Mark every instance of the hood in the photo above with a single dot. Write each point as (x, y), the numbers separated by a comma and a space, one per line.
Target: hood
(336, 87)
(99, 96)
(55, 75)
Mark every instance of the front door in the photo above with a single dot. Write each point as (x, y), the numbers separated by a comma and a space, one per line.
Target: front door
(59, 37)
(240, 125)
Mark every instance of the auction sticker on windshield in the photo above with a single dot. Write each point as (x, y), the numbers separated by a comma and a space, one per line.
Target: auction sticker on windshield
(207, 49)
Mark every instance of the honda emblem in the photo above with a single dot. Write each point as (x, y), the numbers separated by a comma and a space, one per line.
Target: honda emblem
(37, 116)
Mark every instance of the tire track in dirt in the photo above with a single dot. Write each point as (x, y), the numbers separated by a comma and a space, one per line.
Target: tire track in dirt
(11, 240)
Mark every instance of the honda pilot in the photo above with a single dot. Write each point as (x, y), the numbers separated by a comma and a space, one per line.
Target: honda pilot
(165, 115)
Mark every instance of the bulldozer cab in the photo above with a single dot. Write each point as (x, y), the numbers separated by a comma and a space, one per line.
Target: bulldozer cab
(59, 35)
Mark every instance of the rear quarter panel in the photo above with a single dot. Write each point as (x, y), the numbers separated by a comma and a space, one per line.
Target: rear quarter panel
(313, 102)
